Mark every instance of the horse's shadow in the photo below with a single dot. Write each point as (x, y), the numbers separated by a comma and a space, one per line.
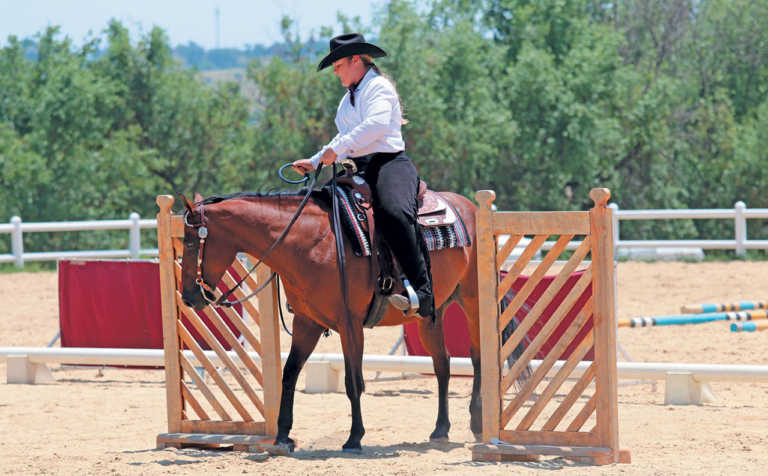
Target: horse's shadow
(552, 464)
(376, 451)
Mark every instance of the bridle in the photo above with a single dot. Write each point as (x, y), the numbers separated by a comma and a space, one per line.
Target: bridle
(207, 290)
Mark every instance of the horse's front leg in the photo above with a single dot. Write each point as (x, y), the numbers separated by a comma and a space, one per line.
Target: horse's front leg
(432, 337)
(306, 333)
(352, 345)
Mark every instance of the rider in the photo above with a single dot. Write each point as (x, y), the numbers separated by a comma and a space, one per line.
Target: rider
(369, 120)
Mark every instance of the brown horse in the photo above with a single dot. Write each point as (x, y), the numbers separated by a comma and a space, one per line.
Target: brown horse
(306, 262)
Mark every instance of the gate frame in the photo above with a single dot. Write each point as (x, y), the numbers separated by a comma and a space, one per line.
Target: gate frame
(201, 433)
(598, 222)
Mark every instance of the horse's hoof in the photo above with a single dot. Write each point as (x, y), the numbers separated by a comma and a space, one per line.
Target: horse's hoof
(282, 448)
(354, 451)
(441, 440)
(478, 437)
(440, 434)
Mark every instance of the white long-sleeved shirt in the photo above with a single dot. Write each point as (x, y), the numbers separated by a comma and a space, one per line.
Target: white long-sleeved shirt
(373, 124)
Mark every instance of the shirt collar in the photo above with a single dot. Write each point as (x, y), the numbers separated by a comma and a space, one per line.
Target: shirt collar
(370, 74)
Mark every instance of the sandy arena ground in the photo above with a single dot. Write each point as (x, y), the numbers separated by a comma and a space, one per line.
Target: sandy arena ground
(89, 423)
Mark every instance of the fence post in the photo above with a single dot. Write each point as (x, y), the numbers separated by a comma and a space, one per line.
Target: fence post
(615, 226)
(740, 228)
(488, 282)
(17, 242)
(134, 236)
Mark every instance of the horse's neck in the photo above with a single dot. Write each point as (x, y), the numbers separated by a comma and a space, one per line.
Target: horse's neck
(256, 223)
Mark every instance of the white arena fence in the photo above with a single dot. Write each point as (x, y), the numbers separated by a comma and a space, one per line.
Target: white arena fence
(685, 383)
(134, 224)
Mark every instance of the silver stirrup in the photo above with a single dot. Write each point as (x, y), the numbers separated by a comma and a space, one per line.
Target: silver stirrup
(412, 297)
(408, 305)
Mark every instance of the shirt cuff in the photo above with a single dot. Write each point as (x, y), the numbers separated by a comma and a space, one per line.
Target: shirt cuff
(341, 147)
(315, 159)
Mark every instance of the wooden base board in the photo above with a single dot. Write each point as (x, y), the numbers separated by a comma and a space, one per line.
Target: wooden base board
(205, 440)
(582, 454)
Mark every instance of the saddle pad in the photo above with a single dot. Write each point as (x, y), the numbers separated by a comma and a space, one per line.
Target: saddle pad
(436, 237)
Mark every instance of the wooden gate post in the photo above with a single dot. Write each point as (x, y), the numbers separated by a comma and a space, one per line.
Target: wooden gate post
(490, 336)
(168, 300)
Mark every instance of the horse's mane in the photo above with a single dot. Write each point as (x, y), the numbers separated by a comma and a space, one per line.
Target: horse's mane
(273, 193)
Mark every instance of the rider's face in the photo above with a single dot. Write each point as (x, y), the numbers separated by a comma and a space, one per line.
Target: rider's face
(348, 70)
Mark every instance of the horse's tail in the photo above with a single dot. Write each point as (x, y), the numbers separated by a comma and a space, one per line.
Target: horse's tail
(506, 333)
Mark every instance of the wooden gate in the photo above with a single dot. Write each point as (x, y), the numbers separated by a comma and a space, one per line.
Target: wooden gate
(215, 396)
(548, 413)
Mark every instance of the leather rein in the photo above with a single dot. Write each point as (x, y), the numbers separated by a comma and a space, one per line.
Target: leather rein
(202, 234)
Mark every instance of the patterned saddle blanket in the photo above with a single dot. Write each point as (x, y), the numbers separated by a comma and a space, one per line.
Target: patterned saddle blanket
(441, 225)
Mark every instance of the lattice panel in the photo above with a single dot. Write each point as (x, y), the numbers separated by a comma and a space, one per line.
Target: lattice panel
(529, 395)
(554, 376)
(226, 387)
(222, 364)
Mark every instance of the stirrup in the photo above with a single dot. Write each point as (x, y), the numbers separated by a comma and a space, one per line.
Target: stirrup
(408, 305)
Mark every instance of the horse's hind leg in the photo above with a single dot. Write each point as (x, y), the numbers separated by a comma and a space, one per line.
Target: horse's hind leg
(305, 336)
(469, 304)
(431, 334)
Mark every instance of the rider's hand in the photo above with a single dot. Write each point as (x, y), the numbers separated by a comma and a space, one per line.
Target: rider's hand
(303, 166)
(329, 156)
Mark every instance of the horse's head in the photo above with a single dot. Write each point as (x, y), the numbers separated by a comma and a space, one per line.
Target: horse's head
(208, 252)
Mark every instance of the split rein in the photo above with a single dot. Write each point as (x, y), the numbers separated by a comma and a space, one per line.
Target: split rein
(202, 233)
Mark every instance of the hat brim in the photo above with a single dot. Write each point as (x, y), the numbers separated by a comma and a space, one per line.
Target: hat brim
(351, 50)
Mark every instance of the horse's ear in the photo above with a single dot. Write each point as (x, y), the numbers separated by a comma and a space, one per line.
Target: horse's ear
(187, 203)
(198, 197)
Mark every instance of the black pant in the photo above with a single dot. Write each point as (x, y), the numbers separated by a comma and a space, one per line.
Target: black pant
(394, 184)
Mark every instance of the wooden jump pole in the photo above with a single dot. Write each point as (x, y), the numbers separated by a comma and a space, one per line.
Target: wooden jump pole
(739, 306)
(749, 326)
(692, 318)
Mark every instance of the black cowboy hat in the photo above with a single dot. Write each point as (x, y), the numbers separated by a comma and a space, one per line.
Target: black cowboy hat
(350, 44)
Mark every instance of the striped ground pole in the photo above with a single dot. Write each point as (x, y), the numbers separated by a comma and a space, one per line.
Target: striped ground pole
(749, 326)
(692, 318)
(739, 306)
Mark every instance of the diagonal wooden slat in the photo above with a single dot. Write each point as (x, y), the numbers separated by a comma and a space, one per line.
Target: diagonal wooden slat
(254, 314)
(584, 414)
(243, 328)
(252, 282)
(506, 249)
(215, 374)
(240, 270)
(190, 398)
(537, 275)
(226, 332)
(238, 322)
(548, 362)
(543, 301)
(214, 343)
(570, 399)
(554, 384)
(545, 332)
(206, 391)
(544, 366)
(520, 264)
